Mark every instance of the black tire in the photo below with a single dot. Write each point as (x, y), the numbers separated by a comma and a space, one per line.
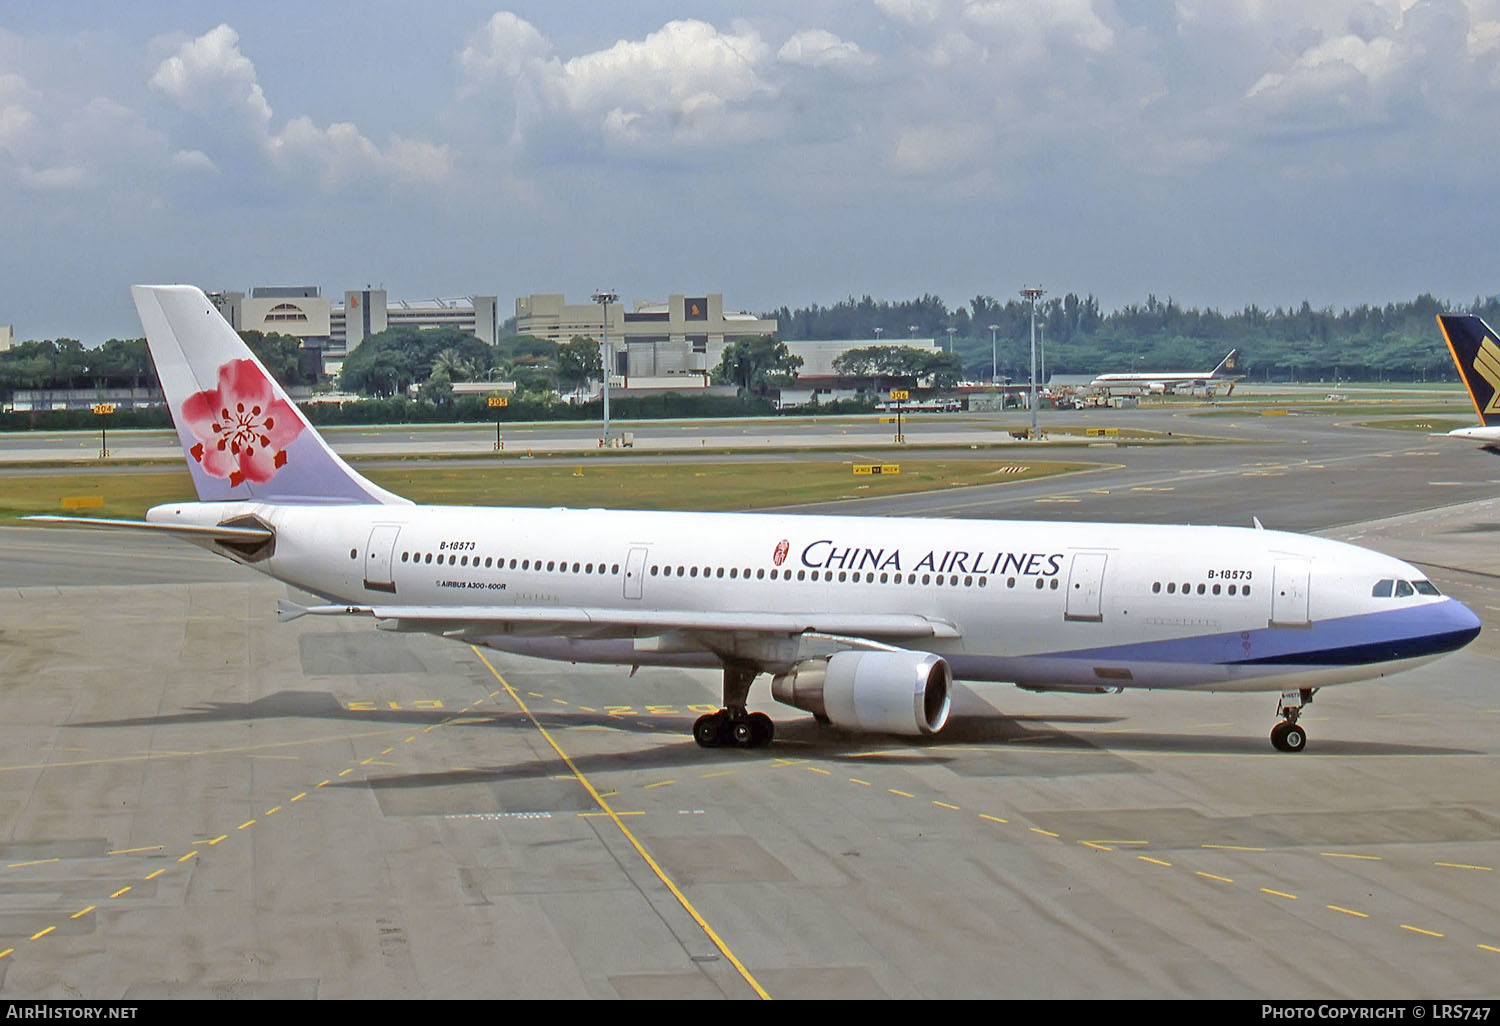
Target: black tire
(1288, 737)
(765, 729)
(706, 730)
(742, 733)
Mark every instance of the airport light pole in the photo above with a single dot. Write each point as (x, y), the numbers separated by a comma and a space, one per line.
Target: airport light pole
(1031, 293)
(994, 356)
(1041, 344)
(950, 338)
(605, 356)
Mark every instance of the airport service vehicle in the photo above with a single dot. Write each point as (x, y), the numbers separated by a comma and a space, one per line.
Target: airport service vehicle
(863, 621)
(1162, 382)
(1476, 353)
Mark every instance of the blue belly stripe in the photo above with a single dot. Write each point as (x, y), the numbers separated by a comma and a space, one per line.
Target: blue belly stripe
(1431, 628)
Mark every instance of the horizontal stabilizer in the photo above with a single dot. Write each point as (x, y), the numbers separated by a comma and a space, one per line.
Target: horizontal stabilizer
(216, 532)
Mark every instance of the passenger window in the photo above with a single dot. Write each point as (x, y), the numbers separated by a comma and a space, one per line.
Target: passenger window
(1404, 589)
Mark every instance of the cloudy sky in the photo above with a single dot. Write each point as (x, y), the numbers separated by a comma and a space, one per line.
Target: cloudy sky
(1221, 152)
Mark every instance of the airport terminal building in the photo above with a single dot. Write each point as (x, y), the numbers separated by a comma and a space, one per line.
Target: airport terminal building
(302, 311)
(682, 337)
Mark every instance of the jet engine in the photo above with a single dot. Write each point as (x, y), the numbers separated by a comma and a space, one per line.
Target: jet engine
(893, 692)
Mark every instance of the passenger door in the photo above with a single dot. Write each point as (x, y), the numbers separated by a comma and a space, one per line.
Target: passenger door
(1086, 587)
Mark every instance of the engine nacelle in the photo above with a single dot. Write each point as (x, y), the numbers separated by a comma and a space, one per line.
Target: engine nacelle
(897, 692)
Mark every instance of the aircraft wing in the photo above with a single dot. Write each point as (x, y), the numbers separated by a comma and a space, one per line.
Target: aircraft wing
(587, 622)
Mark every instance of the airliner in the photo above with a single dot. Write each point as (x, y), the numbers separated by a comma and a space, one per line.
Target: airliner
(864, 622)
(1161, 382)
(1476, 353)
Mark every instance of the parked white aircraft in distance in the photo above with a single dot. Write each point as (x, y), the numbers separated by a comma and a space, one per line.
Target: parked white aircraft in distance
(1476, 353)
(1161, 382)
(863, 621)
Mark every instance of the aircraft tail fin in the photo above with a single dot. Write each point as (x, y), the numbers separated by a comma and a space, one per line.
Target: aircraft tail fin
(243, 438)
(1229, 365)
(1476, 353)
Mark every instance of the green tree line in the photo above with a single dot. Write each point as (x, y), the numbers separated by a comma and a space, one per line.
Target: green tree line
(1397, 341)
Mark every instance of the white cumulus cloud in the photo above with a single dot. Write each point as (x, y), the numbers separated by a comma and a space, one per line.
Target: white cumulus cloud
(210, 77)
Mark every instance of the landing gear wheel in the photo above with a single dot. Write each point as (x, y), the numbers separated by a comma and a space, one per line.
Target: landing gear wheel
(706, 730)
(1288, 737)
(763, 728)
(742, 733)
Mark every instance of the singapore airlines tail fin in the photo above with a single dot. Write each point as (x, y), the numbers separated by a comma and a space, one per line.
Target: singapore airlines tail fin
(244, 439)
(1476, 353)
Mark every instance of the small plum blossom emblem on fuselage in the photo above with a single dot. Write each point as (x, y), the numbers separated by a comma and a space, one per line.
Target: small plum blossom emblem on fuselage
(242, 429)
(782, 548)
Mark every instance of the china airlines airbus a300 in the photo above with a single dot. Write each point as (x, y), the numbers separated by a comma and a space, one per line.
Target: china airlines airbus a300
(863, 621)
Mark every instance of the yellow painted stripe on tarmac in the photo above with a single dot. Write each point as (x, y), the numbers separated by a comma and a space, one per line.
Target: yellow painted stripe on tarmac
(1095, 845)
(1418, 929)
(82, 912)
(36, 862)
(153, 876)
(247, 823)
(1211, 876)
(42, 933)
(903, 794)
(121, 891)
(661, 874)
(993, 819)
(189, 855)
(1346, 911)
(1229, 847)
(1345, 855)
(1482, 947)
(1154, 862)
(1460, 865)
(12, 951)
(136, 851)
(299, 797)
(1039, 830)
(861, 783)
(944, 805)
(1279, 894)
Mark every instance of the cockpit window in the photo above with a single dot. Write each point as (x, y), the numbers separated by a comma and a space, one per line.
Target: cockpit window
(1425, 588)
(1382, 589)
(1404, 588)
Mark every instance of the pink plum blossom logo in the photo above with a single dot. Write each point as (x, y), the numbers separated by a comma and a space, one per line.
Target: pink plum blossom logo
(782, 548)
(242, 429)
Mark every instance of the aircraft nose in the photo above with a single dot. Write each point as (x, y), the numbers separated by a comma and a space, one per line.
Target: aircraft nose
(1454, 626)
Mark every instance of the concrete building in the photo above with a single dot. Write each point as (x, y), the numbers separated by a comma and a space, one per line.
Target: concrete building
(368, 312)
(684, 336)
(297, 310)
(7, 336)
(302, 311)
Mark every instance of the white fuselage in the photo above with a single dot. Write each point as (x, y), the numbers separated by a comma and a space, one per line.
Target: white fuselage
(1087, 606)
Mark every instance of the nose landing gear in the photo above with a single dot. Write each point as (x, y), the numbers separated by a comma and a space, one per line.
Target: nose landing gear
(1286, 736)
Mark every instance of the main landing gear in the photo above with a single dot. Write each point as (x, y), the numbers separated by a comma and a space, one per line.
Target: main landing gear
(1286, 736)
(732, 726)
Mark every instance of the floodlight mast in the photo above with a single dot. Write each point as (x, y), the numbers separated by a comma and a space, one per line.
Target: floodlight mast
(605, 355)
(1032, 294)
